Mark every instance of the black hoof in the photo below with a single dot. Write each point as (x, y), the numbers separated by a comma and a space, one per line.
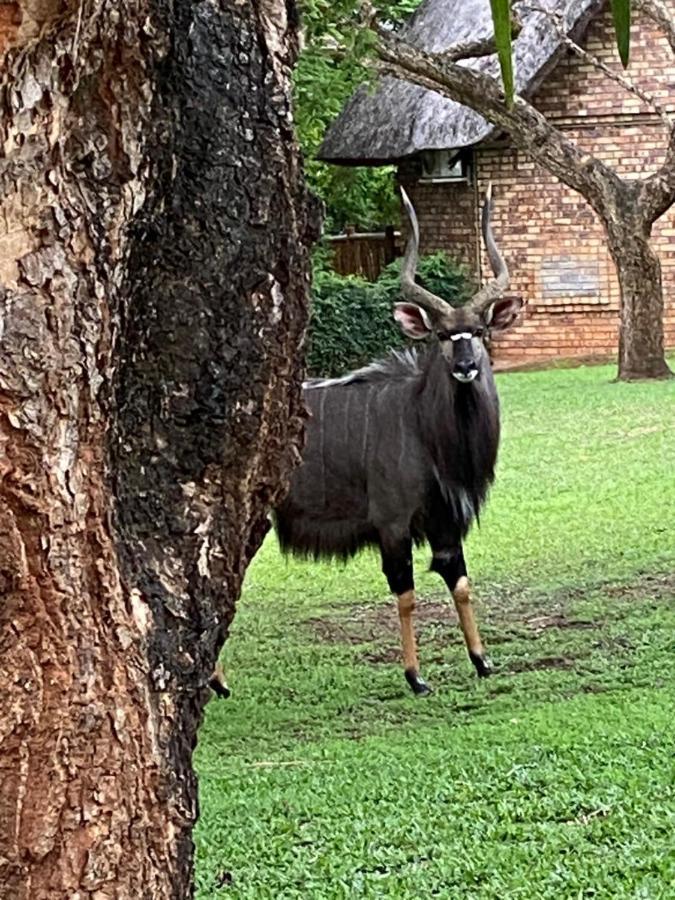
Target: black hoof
(418, 685)
(483, 665)
(219, 688)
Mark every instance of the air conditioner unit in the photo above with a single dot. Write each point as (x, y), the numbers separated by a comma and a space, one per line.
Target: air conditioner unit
(444, 165)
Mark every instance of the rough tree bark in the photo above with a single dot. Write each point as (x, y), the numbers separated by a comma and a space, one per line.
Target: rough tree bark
(154, 269)
(627, 207)
(639, 271)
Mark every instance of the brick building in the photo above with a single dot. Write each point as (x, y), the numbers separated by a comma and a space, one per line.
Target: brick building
(550, 237)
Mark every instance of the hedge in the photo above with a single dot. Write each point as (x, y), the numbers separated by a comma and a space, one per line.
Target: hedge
(351, 320)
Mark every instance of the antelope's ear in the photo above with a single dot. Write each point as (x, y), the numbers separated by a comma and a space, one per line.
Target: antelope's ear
(503, 313)
(414, 321)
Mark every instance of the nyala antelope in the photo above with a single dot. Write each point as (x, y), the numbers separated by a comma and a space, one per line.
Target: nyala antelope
(404, 450)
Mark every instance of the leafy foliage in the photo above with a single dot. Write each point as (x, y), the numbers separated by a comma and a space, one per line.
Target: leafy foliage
(352, 321)
(331, 67)
(438, 273)
(350, 324)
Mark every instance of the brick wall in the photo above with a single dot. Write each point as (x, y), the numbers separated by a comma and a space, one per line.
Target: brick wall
(553, 242)
(447, 214)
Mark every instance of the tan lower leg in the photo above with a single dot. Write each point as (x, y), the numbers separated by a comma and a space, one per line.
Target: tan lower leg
(462, 597)
(217, 682)
(406, 606)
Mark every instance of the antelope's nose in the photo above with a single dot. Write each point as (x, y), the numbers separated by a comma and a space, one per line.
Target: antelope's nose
(465, 369)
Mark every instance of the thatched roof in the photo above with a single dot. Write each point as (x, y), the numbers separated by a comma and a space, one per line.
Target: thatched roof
(399, 119)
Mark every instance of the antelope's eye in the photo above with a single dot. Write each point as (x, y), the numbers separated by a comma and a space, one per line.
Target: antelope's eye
(479, 332)
(445, 335)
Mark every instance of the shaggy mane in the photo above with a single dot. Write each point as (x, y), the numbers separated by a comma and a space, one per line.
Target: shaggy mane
(399, 364)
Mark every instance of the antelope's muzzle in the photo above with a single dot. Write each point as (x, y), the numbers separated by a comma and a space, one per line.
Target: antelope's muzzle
(464, 366)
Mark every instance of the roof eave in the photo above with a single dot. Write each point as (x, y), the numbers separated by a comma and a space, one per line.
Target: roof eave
(333, 146)
(324, 155)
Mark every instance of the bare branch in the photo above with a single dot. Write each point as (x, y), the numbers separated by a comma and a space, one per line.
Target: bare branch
(659, 13)
(624, 81)
(481, 47)
(528, 128)
(657, 193)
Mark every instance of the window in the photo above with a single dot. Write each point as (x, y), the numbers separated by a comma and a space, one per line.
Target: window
(445, 165)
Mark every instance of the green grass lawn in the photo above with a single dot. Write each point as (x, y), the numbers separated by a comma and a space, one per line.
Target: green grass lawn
(322, 777)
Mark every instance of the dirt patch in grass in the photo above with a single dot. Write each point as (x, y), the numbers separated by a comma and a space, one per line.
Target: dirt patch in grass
(558, 620)
(540, 611)
(544, 662)
(383, 656)
(648, 587)
(375, 628)
(334, 631)
(594, 688)
(367, 624)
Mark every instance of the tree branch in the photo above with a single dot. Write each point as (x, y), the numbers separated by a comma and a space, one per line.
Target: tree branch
(528, 128)
(659, 13)
(481, 47)
(657, 193)
(624, 81)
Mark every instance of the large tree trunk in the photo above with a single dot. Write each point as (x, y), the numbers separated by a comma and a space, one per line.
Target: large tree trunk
(641, 336)
(641, 340)
(153, 257)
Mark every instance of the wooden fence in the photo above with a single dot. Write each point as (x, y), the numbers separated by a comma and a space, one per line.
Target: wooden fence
(365, 253)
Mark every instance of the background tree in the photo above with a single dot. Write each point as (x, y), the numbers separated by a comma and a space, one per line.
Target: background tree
(154, 264)
(330, 69)
(627, 207)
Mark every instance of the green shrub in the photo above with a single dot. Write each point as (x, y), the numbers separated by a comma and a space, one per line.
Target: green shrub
(438, 273)
(352, 322)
